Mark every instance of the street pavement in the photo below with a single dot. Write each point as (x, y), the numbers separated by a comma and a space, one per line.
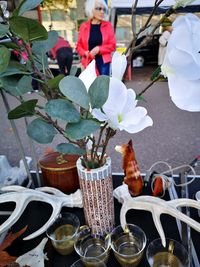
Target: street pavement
(173, 138)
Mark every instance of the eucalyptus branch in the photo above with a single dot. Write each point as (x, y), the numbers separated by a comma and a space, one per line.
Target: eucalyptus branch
(149, 85)
(48, 119)
(100, 137)
(110, 133)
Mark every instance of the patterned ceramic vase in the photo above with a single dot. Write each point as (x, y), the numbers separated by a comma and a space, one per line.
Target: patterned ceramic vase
(98, 203)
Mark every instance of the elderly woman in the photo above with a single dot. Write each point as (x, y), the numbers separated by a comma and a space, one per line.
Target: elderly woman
(96, 39)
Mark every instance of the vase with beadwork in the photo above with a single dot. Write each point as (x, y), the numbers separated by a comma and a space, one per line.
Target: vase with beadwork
(98, 203)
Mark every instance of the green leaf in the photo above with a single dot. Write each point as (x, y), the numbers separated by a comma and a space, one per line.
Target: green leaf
(73, 70)
(98, 91)
(28, 29)
(140, 98)
(25, 109)
(74, 89)
(27, 5)
(16, 85)
(83, 128)
(13, 68)
(3, 29)
(41, 131)
(156, 73)
(4, 58)
(70, 149)
(41, 47)
(54, 83)
(62, 109)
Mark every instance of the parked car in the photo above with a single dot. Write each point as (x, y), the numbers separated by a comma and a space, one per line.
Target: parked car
(147, 54)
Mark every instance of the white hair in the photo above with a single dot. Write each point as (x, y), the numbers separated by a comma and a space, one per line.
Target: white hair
(90, 6)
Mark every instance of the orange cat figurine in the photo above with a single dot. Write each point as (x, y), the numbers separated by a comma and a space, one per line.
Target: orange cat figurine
(132, 173)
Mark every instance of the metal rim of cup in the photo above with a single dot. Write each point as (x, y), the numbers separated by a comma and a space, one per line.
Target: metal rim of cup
(59, 217)
(167, 241)
(139, 252)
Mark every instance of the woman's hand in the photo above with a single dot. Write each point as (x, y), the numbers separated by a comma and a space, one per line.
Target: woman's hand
(94, 51)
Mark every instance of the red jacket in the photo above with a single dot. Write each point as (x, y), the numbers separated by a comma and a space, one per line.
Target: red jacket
(60, 44)
(108, 41)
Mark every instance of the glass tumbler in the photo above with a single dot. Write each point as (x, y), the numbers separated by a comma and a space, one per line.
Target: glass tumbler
(89, 262)
(128, 245)
(173, 255)
(90, 245)
(63, 232)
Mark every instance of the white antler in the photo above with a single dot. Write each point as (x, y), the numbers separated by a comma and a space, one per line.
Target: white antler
(22, 196)
(156, 206)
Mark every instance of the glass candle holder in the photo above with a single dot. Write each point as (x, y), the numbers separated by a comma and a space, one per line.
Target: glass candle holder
(128, 245)
(173, 255)
(63, 233)
(90, 245)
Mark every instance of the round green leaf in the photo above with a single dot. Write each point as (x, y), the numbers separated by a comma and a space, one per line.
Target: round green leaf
(14, 68)
(28, 29)
(27, 5)
(83, 128)
(98, 91)
(74, 89)
(41, 131)
(66, 148)
(3, 29)
(4, 58)
(17, 86)
(62, 109)
(25, 109)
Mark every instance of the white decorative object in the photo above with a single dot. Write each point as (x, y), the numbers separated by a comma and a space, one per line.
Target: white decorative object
(22, 196)
(12, 175)
(157, 207)
(34, 257)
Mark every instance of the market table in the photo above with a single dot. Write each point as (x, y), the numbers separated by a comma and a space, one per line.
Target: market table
(37, 213)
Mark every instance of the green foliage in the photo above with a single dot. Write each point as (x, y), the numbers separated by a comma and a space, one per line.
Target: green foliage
(25, 109)
(18, 85)
(3, 29)
(98, 91)
(83, 128)
(74, 89)
(62, 109)
(41, 131)
(70, 149)
(4, 58)
(28, 29)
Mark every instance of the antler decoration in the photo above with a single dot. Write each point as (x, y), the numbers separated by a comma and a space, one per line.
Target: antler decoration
(156, 206)
(22, 196)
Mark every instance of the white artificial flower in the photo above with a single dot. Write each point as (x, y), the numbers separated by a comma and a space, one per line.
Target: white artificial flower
(88, 75)
(182, 3)
(118, 65)
(182, 63)
(3, 5)
(120, 109)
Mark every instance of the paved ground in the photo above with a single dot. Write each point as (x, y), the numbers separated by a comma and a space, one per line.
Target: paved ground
(174, 137)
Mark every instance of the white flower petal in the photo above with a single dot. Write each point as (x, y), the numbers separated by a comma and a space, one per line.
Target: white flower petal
(88, 75)
(96, 113)
(135, 116)
(118, 65)
(117, 96)
(185, 93)
(145, 122)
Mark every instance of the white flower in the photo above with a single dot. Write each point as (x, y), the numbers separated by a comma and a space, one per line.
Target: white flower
(120, 109)
(3, 5)
(118, 65)
(182, 63)
(182, 3)
(88, 75)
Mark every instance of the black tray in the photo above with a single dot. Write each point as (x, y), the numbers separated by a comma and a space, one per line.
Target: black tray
(37, 213)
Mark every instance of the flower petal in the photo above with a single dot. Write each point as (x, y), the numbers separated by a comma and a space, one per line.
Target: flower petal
(184, 93)
(118, 65)
(96, 113)
(88, 75)
(145, 122)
